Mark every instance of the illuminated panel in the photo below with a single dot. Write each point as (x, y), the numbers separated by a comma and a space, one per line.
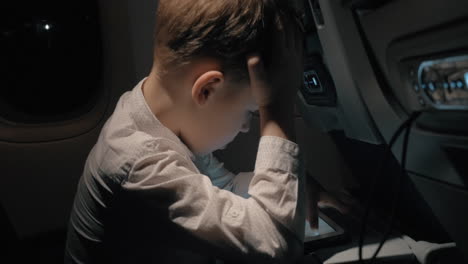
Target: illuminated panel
(445, 82)
(312, 82)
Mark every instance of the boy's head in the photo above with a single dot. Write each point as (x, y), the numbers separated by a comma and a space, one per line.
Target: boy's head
(201, 48)
(226, 30)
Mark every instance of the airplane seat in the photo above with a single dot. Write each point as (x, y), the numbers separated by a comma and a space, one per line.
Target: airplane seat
(8, 237)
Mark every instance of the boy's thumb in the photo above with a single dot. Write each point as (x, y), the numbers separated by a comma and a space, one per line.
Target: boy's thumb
(256, 69)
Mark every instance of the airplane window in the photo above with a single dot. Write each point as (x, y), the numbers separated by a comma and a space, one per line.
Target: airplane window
(51, 60)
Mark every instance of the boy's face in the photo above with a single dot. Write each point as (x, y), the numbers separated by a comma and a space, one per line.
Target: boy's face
(227, 111)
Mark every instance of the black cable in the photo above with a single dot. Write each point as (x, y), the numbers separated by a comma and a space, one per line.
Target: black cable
(396, 199)
(406, 124)
(395, 135)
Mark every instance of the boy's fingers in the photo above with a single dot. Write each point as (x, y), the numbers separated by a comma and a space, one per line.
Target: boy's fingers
(313, 216)
(327, 200)
(312, 209)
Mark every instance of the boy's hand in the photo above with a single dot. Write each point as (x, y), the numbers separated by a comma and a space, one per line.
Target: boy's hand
(277, 84)
(317, 196)
(274, 87)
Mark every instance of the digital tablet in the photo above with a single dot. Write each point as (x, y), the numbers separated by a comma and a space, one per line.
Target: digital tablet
(329, 233)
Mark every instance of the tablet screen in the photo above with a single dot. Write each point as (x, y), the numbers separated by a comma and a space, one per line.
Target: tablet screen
(328, 233)
(324, 228)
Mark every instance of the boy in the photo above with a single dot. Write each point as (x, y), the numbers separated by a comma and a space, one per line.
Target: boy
(142, 199)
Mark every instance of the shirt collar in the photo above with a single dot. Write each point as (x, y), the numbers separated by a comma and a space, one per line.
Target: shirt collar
(147, 122)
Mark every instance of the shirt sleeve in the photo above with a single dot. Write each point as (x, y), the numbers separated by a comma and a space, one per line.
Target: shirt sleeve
(267, 226)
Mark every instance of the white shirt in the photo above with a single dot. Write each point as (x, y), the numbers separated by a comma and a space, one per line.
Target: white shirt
(142, 199)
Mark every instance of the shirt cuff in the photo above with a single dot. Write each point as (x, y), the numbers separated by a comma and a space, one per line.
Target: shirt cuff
(277, 153)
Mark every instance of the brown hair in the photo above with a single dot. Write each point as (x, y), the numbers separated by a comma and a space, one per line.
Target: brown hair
(223, 29)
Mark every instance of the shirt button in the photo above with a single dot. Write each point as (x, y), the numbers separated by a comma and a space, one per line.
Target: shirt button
(234, 213)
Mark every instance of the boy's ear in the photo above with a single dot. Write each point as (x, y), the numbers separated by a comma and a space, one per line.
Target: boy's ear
(206, 85)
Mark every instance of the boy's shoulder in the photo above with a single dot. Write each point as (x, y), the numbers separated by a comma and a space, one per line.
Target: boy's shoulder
(133, 132)
(118, 150)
